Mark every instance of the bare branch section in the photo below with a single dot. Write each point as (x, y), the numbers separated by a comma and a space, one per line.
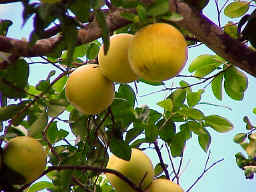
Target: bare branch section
(214, 37)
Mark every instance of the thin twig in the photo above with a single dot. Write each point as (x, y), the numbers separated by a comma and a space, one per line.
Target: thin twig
(172, 164)
(204, 171)
(161, 159)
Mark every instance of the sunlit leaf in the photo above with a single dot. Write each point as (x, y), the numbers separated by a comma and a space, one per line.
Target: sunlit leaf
(204, 141)
(236, 9)
(216, 86)
(166, 104)
(218, 123)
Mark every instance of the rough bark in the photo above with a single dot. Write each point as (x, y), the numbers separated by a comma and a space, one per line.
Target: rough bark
(214, 37)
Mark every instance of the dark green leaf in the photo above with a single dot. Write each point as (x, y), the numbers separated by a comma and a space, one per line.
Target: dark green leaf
(178, 144)
(37, 127)
(4, 26)
(235, 83)
(43, 85)
(81, 9)
(178, 97)
(195, 114)
(196, 127)
(204, 141)
(158, 170)
(14, 79)
(236, 9)
(52, 132)
(105, 31)
(134, 132)
(120, 149)
(216, 86)
(10, 111)
(142, 12)
(92, 51)
(160, 7)
(167, 129)
(218, 123)
(151, 133)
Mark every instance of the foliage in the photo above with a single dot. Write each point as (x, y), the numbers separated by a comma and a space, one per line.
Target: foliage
(40, 110)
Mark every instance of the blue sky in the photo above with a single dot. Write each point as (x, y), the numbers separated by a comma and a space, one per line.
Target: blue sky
(225, 176)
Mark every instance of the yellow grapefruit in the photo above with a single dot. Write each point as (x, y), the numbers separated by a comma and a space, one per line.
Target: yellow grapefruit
(139, 170)
(164, 185)
(157, 52)
(26, 156)
(88, 90)
(115, 65)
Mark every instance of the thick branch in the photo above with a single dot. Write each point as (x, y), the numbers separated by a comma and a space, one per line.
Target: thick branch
(42, 47)
(214, 37)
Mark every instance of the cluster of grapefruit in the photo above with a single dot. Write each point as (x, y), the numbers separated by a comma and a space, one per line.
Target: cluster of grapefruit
(139, 170)
(157, 52)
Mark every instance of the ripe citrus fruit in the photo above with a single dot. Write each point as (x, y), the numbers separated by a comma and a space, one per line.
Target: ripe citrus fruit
(164, 185)
(88, 90)
(139, 170)
(157, 52)
(115, 65)
(26, 156)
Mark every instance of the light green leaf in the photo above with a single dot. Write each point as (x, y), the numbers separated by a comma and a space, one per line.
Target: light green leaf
(235, 83)
(166, 104)
(239, 137)
(218, 123)
(216, 86)
(236, 9)
(40, 186)
(205, 61)
(195, 114)
(193, 98)
(231, 29)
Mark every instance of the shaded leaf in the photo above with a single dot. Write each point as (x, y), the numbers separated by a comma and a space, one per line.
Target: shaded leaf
(37, 127)
(158, 170)
(204, 141)
(120, 148)
(239, 137)
(167, 129)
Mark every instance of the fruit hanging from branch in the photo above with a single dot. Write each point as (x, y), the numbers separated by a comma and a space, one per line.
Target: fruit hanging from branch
(157, 52)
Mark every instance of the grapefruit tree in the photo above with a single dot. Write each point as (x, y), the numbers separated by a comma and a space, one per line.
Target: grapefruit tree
(88, 106)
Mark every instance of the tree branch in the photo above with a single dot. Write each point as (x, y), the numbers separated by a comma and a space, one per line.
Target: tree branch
(214, 37)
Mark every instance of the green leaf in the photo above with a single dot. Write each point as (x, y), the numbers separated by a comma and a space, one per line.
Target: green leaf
(196, 127)
(218, 123)
(249, 125)
(160, 7)
(10, 111)
(236, 9)
(239, 137)
(81, 9)
(167, 129)
(43, 85)
(193, 98)
(14, 79)
(92, 51)
(158, 170)
(204, 141)
(120, 149)
(40, 186)
(153, 83)
(231, 29)
(166, 104)
(59, 85)
(203, 61)
(195, 114)
(37, 127)
(216, 86)
(52, 132)
(178, 97)
(134, 132)
(254, 111)
(235, 83)
(4, 26)
(56, 107)
(142, 12)
(105, 31)
(173, 17)
(177, 144)
(151, 133)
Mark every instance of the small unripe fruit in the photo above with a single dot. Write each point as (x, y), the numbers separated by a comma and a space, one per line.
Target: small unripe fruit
(157, 52)
(164, 185)
(139, 170)
(26, 156)
(115, 65)
(88, 90)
